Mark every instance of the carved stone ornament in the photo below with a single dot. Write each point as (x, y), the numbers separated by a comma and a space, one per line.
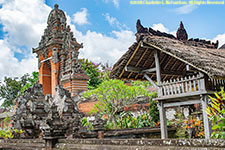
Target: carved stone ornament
(45, 53)
(75, 55)
(77, 68)
(55, 58)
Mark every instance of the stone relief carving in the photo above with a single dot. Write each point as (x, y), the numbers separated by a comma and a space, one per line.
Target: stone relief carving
(77, 68)
(55, 58)
(45, 53)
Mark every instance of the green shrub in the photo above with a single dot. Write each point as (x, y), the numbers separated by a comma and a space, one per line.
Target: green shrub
(216, 112)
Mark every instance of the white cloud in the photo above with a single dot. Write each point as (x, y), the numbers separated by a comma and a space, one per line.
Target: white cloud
(10, 66)
(115, 2)
(2, 1)
(102, 48)
(114, 22)
(80, 17)
(24, 22)
(220, 38)
(162, 28)
(186, 9)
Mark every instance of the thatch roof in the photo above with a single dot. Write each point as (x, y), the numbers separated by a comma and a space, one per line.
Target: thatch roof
(174, 56)
(222, 47)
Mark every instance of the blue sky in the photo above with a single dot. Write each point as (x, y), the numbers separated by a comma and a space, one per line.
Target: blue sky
(203, 21)
(106, 27)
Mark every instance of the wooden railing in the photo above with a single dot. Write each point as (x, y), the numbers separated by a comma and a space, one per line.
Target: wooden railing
(179, 86)
(215, 84)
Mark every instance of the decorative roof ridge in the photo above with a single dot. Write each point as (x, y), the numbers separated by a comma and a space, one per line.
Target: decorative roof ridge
(181, 36)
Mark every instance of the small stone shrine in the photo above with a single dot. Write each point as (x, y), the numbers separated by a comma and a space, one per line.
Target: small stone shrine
(49, 109)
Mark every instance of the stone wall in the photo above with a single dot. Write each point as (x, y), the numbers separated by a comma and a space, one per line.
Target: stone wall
(140, 144)
(22, 144)
(112, 144)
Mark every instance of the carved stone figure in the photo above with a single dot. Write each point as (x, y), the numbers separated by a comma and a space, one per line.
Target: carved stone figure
(181, 33)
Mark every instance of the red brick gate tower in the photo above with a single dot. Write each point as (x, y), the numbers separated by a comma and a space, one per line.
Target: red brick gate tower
(58, 57)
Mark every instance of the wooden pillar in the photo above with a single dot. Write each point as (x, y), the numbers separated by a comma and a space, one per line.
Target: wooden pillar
(162, 113)
(207, 123)
(158, 73)
(202, 82)
(163, 125)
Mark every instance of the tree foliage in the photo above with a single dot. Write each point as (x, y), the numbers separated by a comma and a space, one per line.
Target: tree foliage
(97, 73)
(10, 87)
(113, 95)
(92, 70)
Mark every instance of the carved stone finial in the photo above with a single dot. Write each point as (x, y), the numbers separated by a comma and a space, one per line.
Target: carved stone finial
(140, 28)
(56, 6)
(181, 33)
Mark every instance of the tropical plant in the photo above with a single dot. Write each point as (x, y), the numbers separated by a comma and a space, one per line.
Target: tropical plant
(113, 95)
(6, 121)
(144, 84)
(9, 133)
(216, 112)
(87, 124)
(179, 124)
(127, 120)
(92, 70)
(196, 125)
(31, 80)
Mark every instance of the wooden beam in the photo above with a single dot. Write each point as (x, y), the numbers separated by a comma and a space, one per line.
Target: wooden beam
(176, 61)
(149, 70)
(165, 60)
(136, 76)
(135, 51)
(189, 102)
(171, 73)
(139, 70)
(164, 51)
(149, 56)
(182, 64)
(150, 80)
(162, 60)
(132, 69)
(168, 62)
(46, 59)
(130, 75)
(139, 61)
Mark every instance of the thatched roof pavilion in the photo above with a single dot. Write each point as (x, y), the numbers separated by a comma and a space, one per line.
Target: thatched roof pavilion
(174, 56)
(186, 70)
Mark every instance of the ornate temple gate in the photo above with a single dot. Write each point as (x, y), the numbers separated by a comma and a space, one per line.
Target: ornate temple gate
(57, 55)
